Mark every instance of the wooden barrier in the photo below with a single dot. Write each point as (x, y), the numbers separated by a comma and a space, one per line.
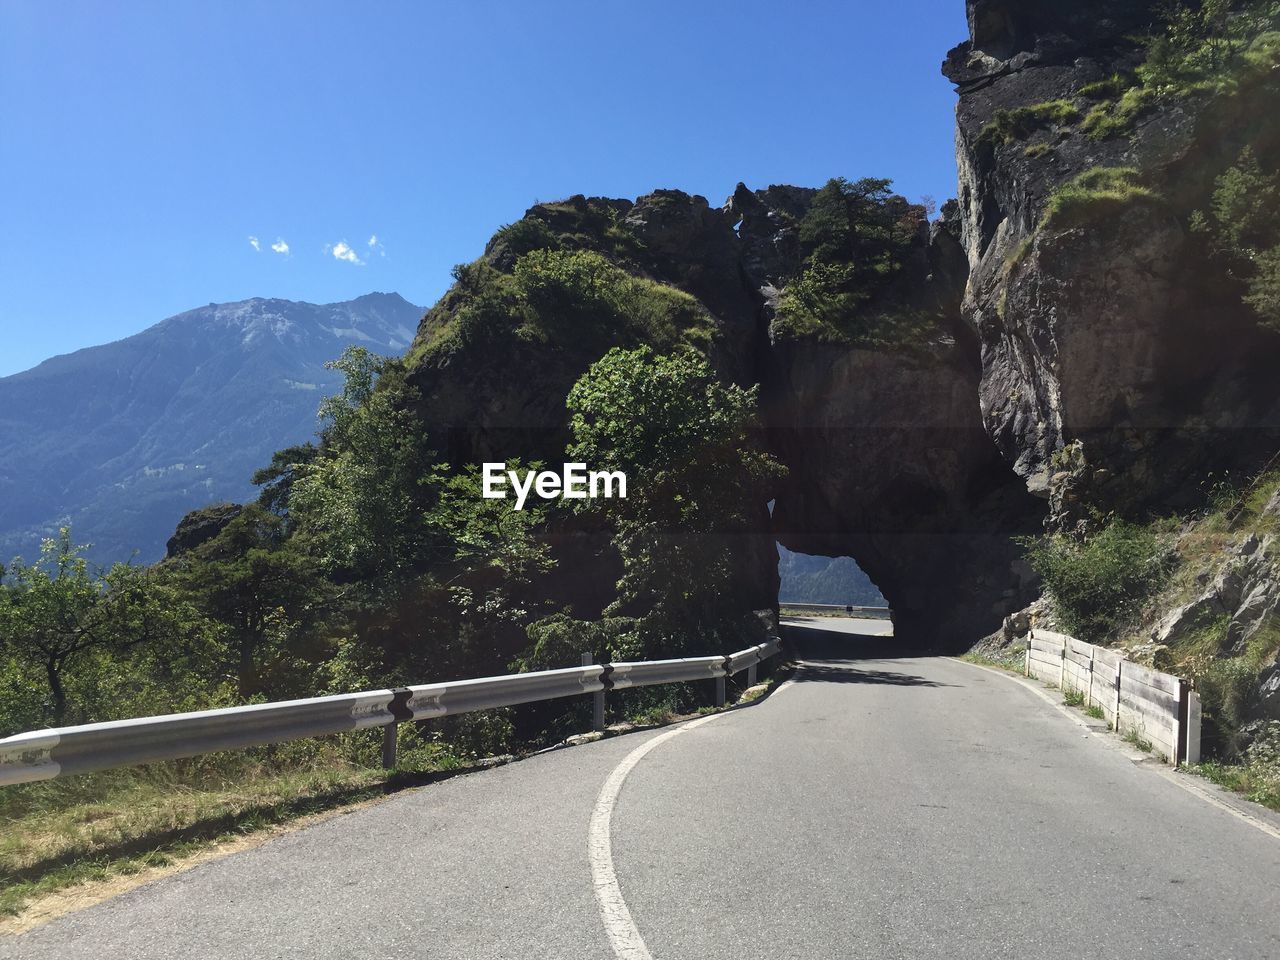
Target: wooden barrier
(1156, 708)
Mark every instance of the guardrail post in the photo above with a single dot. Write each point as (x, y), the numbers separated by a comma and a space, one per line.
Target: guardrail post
(597, 700)
(751, 675)
(389, 745)
(1183, 738)
(1088, 697)
(720, 692)
(1191, 732)
(1119, 667)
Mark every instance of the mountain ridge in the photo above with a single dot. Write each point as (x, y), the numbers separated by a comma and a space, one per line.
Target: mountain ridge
(115, 439)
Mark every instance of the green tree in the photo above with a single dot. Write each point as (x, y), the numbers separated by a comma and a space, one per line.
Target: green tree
(276, 479)
(362, 498)
(265, 590)
(696, 479)
(1241, 225)
(58, 610)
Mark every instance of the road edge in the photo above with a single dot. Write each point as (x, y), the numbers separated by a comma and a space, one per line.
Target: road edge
(1256, 816)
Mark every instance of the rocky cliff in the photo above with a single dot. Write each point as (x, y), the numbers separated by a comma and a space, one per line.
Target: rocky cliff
(1062, 343)
(1106, 327)
(888, 461)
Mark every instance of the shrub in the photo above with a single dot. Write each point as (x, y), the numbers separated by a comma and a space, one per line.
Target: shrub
(1111, 118)
(1227, 689)
(1018, 124)
(1264, 288)
(1095, 193)
(1241, 227)
(1099, 584)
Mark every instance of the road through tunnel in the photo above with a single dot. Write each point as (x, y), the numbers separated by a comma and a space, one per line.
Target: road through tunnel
(888, 463)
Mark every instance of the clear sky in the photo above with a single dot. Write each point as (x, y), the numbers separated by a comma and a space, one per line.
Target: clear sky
(142, 144)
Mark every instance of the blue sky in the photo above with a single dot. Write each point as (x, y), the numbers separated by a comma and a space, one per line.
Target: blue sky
(145, 143)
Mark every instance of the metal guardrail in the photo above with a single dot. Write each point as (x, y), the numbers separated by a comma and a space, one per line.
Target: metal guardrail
(878, 613)
(59, 752)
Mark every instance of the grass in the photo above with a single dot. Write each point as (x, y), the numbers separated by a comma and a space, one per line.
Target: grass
(1247, 780)
(1114, 117)
(1073, 698)
(1018, 124)
(1094, 711)
(1137, 740)
(1013, 662)
(1095, 194)
(63, 832)
(1112, 87)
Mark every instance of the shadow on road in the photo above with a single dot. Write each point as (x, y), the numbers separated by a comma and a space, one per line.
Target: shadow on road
(824, 673)
(815, 643)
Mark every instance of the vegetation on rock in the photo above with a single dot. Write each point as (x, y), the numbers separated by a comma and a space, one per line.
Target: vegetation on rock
(855, 238)
(1243, 227)
(1099, 583)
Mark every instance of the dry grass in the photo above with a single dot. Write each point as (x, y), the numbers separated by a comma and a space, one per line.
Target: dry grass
(100, 827)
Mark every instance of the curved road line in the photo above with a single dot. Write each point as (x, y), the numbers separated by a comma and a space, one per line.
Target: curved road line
(623, 934)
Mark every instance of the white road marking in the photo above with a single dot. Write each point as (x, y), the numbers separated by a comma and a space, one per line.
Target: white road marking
(623, 934)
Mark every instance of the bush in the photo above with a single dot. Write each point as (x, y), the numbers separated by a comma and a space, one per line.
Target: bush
(1241, 228)
(1020, 123)
(1100, 584)
(1093, 194)
(1227, 689)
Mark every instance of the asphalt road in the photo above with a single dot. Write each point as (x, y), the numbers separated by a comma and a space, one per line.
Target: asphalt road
(874, 807)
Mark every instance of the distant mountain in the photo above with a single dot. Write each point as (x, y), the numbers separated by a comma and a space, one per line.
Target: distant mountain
(123, 439)
(808, 579)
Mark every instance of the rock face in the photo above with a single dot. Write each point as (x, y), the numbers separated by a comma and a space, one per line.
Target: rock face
(1069, 365)
(889, 462)
(1108, 331)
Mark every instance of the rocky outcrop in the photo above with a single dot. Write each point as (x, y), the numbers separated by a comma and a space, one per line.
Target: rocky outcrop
(1108, 330)
(888, 459)
(200, 526)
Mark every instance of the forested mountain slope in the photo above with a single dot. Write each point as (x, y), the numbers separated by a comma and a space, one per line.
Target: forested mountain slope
(120, 440)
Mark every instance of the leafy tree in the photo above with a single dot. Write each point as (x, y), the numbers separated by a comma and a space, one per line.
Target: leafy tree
(361, 499)
(57, 611)
(276, 479)
(1241, 225)
(261, 586)
(695, 475)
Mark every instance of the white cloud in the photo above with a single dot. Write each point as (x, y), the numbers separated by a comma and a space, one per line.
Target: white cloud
(341, 251)
(375, 245)
(253, 242)
(373, 241)
(280, 246)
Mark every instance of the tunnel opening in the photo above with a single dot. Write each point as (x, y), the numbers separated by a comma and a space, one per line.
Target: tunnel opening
(827, 581)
